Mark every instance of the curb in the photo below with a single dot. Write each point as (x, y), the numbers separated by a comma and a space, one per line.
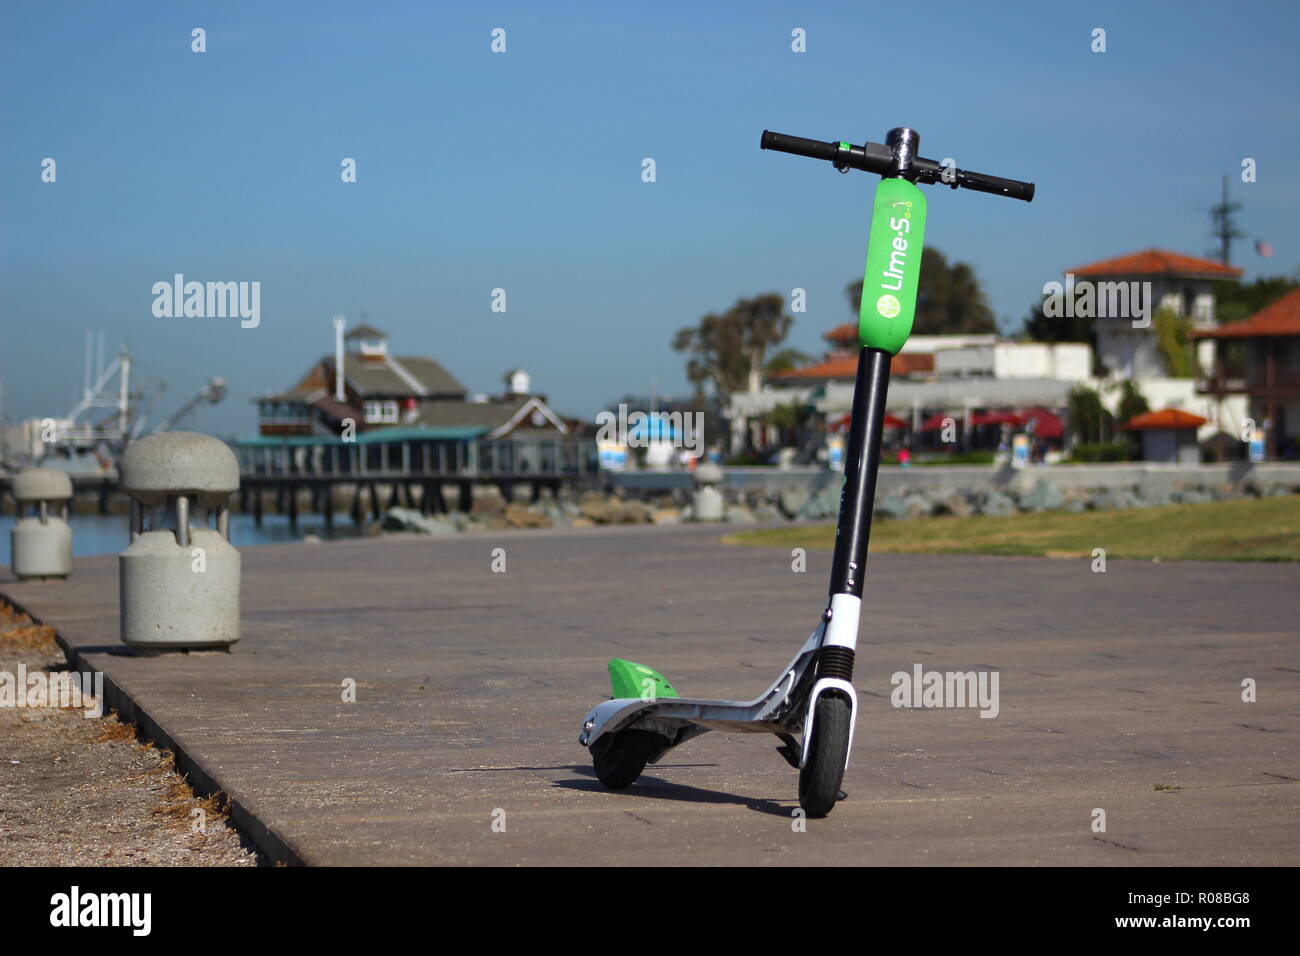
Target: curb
(276, 848)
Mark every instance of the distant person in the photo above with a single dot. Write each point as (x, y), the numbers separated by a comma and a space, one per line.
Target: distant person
(905, 457)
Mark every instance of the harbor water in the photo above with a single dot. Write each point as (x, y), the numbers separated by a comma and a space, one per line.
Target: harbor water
(107, 534)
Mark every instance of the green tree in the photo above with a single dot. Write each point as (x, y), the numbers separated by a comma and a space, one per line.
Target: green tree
(1040, 327)
(1175, 348)
(949, 299)
(727, 350)
(789, 419)
(1089, 422)
(1235, 300)
(785, 360)
(1131, 401)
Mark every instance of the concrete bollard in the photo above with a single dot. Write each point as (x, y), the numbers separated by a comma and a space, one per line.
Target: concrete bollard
(41, 542)
(708, 504)
(179, 578)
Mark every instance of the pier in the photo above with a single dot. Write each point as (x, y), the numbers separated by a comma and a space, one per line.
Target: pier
(434, 471)
(412, 468)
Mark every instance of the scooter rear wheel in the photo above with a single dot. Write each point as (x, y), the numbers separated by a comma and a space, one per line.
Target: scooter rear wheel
(821, 776)
(620, 757)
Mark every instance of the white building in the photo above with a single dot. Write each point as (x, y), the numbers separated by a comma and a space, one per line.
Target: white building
(1147, 282)
(958, 374)
(950, 373)
(1127, 292)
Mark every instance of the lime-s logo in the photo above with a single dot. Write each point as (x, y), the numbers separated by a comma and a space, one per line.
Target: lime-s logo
(893, 265)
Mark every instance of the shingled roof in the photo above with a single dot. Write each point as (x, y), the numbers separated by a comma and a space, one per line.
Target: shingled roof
(1158, 262)
(1277, 318)
(399, 376)
(498, 417)
(846, 367)
(364, 331)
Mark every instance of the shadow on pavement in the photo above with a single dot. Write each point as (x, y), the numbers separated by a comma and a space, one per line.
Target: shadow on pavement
(657, 789)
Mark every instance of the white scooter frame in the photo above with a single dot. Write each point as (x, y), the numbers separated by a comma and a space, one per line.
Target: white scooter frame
(787, 707)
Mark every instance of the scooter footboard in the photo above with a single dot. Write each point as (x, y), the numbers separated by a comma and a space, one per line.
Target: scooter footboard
(779, 709)
(670, 717)
(731, 715)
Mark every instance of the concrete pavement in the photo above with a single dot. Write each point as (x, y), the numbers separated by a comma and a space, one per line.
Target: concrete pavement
(471, 684)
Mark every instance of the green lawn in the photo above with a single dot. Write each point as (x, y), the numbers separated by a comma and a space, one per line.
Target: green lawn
(1244, 529)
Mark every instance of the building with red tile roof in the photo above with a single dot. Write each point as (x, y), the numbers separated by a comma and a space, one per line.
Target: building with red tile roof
(1164, 418)
(1141, 284)
(1259, 357)
(1152, 262)
(1168, 435)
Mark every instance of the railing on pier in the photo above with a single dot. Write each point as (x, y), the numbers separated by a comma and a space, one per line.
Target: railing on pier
(398, 454)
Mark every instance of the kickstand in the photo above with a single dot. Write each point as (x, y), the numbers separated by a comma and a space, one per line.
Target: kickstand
(790, 750)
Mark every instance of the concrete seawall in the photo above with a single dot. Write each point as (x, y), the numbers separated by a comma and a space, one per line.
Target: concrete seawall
(946, 479)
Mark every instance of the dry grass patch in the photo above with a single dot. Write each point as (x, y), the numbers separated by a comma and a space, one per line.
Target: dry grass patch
(19, 632)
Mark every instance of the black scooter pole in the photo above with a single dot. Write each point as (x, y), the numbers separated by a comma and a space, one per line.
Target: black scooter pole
(857, 500)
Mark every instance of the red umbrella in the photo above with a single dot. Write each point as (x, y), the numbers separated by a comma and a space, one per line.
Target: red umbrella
(935, 421)
(842, 423)
(1046, 425)
(995, 418)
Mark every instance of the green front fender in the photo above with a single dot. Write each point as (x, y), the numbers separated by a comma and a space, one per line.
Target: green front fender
(630, 679)
(893, 266)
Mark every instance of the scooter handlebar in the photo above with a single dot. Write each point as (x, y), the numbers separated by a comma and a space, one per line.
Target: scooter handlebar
(798, 145)
(1011, 188)
(877, 158)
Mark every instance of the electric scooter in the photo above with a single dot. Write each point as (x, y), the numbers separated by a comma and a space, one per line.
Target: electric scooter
(814, 695)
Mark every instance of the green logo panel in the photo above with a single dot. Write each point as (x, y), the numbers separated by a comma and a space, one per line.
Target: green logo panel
(893, 266)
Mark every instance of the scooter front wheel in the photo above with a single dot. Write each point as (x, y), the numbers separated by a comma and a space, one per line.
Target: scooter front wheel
(620, 757)
(821, 776)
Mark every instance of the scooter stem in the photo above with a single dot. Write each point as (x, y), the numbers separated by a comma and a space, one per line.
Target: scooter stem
(856, 500)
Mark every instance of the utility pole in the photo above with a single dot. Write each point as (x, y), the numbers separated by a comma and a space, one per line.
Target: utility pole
(1224, 228)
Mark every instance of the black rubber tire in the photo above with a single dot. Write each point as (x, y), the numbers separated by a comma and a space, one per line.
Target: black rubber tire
(821, 776)
(620, 758)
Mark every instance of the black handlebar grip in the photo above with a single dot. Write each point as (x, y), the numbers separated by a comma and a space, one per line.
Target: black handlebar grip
(798, 145)
(1011, 188)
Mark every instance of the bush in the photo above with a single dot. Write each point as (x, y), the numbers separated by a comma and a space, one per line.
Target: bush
(1089, 422)
(1118, 450)
(958, 458)
(1131, 402)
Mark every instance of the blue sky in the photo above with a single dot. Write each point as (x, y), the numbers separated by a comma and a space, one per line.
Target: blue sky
(522, 171)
